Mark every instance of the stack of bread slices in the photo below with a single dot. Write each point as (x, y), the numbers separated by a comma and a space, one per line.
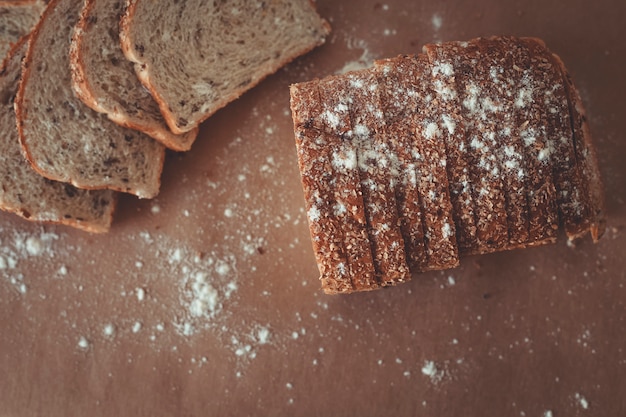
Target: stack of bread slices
(100, 88)
(469, 148)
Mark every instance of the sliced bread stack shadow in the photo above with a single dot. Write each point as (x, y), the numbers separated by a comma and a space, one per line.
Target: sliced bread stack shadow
(86, 119)
(469, 148)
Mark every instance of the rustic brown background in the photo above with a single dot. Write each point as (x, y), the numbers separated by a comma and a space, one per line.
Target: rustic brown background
(524, 333)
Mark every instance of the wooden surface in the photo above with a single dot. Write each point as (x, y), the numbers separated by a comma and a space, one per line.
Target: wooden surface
(536, 332)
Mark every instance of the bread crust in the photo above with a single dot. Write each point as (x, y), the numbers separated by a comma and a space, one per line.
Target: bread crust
(586, 157)
(396, 106)
(85, 92)
(143, 70)
(456, 148)
(375, 164)
(314, 160)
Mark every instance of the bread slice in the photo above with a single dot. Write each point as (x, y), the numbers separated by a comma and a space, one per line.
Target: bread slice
(454, 137)
(427, 155)
(395, 78)
(197, 56)
(481, 118)
(105, 81)
(377, 167)
(350, 205)
(583, 210)
(63, 139)
(28, 194)
(535, 130)
(335, 212)
(17, 18)
(501, 82)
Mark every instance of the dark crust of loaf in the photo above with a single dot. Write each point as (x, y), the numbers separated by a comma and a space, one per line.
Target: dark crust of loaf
(473, 88)
(456, 147)
(433, 186)
(541, 160)
(375, 164)
(26, 69)
(586, 158)
(143, 71)
(396, 109)
(85, 93)
(314, 146)
(103, 225)
(499, 60)
(350, 197)
(570, 196)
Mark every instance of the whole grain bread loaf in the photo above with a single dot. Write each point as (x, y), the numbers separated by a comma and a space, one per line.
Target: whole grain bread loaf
(17, 18)
(106, 82)
(62, 138)
(26, 193)
(488, 135)
(196, 56)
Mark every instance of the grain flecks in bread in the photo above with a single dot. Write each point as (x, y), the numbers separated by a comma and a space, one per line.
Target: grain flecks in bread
(17, 18)
(106, 81)
(63, 139)
(28, 194)
(519, 152)
(197, 56)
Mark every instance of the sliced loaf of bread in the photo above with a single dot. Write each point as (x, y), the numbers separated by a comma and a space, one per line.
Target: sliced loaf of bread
(106, 81)
(25, 192)
(65, 140)
(520, 141)
(17, 18)
(196, 56)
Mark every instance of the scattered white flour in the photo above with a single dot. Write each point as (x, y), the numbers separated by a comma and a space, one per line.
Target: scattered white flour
(430, 370)
(108, 330)
(582, 401)
(141, 294)
(437, 22)
(136, 327)
(364, 61)
(16, 247)
(83, 343)
(263, 335)
(547, 413)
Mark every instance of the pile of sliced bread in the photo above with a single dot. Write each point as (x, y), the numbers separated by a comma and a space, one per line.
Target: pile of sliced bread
(469, 148)
(100, 88)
